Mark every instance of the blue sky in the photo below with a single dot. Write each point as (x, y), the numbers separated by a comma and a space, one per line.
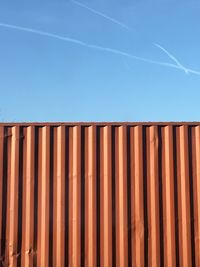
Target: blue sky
(43, 78)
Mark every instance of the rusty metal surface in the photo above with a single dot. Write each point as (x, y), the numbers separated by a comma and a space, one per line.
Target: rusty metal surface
(100, 194)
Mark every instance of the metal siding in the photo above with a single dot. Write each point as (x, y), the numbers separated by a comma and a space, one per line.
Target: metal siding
(100, 194)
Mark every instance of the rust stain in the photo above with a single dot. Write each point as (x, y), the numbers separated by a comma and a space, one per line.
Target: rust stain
(100, 194)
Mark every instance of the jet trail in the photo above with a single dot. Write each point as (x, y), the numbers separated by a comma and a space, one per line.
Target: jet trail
(78, 42)
(52, 35)
(173, 58)
(92, 46)
(101, 15)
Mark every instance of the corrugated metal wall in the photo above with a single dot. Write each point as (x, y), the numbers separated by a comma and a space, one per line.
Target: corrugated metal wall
(100, 195)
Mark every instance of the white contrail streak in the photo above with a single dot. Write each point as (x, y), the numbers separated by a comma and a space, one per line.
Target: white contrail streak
(52, 35)
(193, 71)
(78, 42)
(101, 15)
(173, 58)
(92, 46)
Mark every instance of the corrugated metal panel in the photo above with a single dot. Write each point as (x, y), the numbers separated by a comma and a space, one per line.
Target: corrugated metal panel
(105, 194)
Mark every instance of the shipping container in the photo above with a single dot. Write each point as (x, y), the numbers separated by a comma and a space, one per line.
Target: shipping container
(100, 194)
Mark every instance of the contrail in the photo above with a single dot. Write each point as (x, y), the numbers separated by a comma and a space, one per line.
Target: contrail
(173, 58)
(92, 46)
(55, 36)
(101, 15)
(78, 42)
(193, 71)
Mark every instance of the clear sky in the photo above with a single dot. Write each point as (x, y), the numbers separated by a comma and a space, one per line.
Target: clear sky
(97, 60)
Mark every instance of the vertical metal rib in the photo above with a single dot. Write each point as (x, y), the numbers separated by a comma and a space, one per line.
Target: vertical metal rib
(106, 202)
(45, 184)
(137, 225)
(184, 200)
(168, 198)
(75, 191)
(1, 185)
(29, 198)
(91, 198)
(122, 230)
(8, 134)
(196, 186)
(13, 211)
(153, 198)
(60, 197)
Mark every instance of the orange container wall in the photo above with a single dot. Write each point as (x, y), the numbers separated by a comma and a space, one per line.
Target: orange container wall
(100, 194)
